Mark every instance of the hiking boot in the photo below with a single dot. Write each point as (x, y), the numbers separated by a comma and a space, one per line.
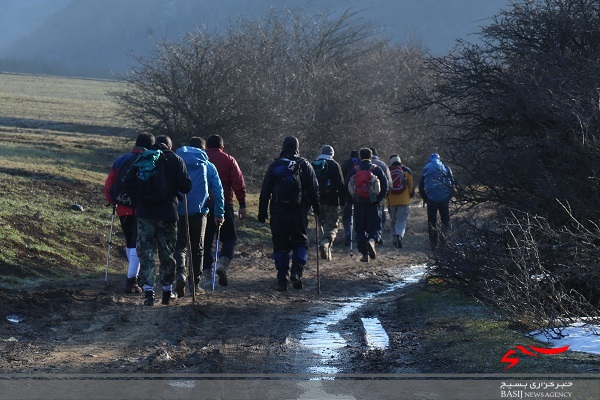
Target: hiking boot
(180, 285)
(364, 258)
(131, 286)
(296, 281)
(324, 250)
(198, 289)
(149, 297)
(281, 285)
(329, 251)
(380, 242)
(371, 249)
(222, 265)
(399, 241)
(166, 297)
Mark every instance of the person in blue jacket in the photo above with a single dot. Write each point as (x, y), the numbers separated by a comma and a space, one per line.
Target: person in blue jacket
(436, 188)
(205, 183)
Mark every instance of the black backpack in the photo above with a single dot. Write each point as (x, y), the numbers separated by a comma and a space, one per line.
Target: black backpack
(120, 192)
(287, 191)
(147, 180)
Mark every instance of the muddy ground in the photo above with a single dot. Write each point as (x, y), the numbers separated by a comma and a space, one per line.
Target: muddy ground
(246, 327)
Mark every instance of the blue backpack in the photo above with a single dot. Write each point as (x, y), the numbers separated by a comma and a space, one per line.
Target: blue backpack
(287, 191)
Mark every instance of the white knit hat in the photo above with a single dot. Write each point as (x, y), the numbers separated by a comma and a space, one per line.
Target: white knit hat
(395, 158)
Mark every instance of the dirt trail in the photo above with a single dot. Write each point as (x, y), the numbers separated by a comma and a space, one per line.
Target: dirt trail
(247, 327)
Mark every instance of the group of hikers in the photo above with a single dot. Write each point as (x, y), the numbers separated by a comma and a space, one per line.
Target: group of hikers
(174, 202)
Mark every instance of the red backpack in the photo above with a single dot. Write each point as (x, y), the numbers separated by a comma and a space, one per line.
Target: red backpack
(364, 186)
(399, 181)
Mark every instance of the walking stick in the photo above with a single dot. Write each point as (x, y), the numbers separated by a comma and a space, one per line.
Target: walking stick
(189, 256)
(317, 238)
(351, 228)
(214, 269)
(112, 221)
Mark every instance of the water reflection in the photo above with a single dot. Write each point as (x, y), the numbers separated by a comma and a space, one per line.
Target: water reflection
(325, 343)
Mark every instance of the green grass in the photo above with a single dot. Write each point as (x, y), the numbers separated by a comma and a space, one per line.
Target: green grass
(76, 101)
(463, 336)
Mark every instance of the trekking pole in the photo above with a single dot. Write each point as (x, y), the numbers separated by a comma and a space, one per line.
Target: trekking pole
(189, 256)
(317, 238)
(214, 269)
(112, 221)
(351, 228)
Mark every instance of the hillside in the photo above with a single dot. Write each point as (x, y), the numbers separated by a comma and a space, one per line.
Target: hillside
(98, 38)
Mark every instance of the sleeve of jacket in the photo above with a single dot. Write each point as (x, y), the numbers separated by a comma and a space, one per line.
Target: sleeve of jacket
(265, 192)
(110, 181)
(216, 190)
(380, 173)
(312, 186)
(184, 183)
(238, 185)
(338, 180)
(411, 182)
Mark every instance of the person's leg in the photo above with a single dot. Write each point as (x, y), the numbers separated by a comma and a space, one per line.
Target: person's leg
(298, 224)
(401, 223)
(197, 233)
(129, 228)
(281, 247)
(209, 236)
(444, 210)
(181, 247)
(228, 240)
(360, 229)
(146, 250)
(166, 237)
(432, 210)
(372, 228)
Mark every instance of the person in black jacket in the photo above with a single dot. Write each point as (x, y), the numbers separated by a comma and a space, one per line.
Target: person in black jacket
(288, 191)
(332, 195)
(367, 214)
(157, 226)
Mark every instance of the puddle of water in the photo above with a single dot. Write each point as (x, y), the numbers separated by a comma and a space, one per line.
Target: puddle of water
(14, 318)
(326, 344)
(376, 336)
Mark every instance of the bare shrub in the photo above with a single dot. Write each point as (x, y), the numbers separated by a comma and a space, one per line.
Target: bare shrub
(324, 78)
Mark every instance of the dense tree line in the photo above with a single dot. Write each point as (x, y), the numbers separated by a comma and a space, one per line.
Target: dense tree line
(522, 121)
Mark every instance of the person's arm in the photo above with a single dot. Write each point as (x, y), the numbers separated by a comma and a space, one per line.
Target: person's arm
(238, 185)
(216, 190)
(312, 187)
(265, 195)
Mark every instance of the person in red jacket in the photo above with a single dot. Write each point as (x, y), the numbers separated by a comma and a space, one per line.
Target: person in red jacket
(233, 183)
(127, 214)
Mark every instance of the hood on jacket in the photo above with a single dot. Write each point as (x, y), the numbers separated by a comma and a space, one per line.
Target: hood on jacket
(189, 153)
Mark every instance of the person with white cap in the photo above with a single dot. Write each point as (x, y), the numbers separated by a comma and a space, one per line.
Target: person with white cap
(398, 198)
(332, 195)
(436, 188)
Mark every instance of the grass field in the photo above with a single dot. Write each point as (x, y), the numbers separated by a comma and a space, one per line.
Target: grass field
(67, 100)
(43, 172)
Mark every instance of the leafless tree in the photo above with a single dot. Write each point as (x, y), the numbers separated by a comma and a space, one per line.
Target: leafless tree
(521, 117)
(322, 78)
